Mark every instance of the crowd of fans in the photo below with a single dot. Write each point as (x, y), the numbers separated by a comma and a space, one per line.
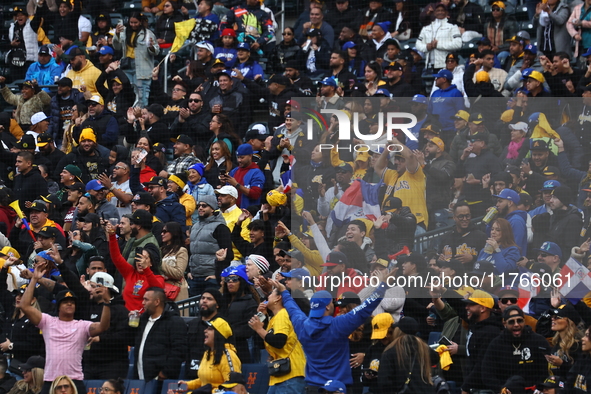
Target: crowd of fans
(120, 197)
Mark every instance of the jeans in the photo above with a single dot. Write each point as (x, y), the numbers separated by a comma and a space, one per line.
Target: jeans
(198, 284)
(291, 386)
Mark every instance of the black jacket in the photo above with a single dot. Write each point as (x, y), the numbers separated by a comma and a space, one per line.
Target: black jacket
(91, 164)
(399, 233)
(237, 313)
(454, 242)
(485, 163)
(29, 187)
(195, 126)
(501, 360)
(480, 333)
(166, 345)
(579, 377)
(440, 176)
(565, 229)
(392, 377)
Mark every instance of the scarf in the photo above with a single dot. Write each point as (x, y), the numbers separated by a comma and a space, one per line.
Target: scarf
(192, 186)
(513, 149)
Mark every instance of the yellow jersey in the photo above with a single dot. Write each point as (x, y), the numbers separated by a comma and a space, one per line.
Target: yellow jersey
(411, 189)
(281, 324)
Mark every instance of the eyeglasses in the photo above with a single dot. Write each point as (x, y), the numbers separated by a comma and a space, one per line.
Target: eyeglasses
(462, 217)
(178, 90)
(118, 168)
(505, 301)
(286, 34)
(513, 322)
(202, 205)
(105, 389)
(62, 387)
(232, 279)
(543, 254)
(195, 100)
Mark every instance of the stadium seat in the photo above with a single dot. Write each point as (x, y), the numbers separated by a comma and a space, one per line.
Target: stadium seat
(140, 386)
(434, 337)
(93, 386)
(165, 384)
(257, 377)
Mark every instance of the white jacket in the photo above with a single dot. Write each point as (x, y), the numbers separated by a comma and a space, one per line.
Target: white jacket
(448, 39)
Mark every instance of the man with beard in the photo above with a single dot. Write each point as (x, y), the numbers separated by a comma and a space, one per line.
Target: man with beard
(49, 153)
(86, 157)
(141, 236)
(168, 207)
(184, 157)
(118, 186)
(102, 121)
(439, 171)
(483, 328)
(464, 241)
(507, 203)
(83, 72)
(209, 307)
(227, 196)
(209, 236)
(565, 222)
(541, 156)
(517, 351)
(193, 121)
(396, 85)
(337, 64)
(29, 184)
(301, 83)
(61, 107)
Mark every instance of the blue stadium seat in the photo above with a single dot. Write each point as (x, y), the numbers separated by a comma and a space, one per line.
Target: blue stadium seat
(165, 384)
(140, 386)
(434, 337)
(93, 386)
(257, 377)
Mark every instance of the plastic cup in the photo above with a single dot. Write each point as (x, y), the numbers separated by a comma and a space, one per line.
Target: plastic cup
(114, 221)
(134, 319)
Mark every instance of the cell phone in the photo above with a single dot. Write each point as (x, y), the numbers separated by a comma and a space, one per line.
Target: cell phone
(222, 172)
(139, 251)
(178, 387)
(444, 341)
(141, 156)
(100, 281)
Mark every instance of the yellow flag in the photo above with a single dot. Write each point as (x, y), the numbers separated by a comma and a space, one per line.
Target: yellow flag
(182, 29)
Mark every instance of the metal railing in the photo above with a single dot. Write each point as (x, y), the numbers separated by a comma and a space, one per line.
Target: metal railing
(427, 241)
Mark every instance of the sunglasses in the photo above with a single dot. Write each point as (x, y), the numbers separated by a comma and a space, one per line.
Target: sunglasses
(461, 217)
(286, 34)
(202, 205)
(195, 100)
(62, 387)
(496, 9)
(164, 231)
(512, 300)
(543, 254)
(232, 279)
(513, 322)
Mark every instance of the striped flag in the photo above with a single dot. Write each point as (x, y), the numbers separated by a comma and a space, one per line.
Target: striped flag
(360, 201)
(527, 288)
(576, 280)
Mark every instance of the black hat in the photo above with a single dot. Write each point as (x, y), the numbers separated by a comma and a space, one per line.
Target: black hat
(234, 379)
(392, 203)
(564, 194)
(143, 198)
(44, 139)
(538, 145)
(476, 118)
(21, 290)
(27, 142)
(314, 33)
(142, 218)
(279, 79)
(507, 312)
(567, 311)
(48, 232)
(515, 385)
(78, 186)
(335, 258)
(407, 325)
(76, 52)
(21, 10)
(183, 139)
(508, 289)
(551, 382)
(44, 50)
(394, 66)
(90, 218)
(348, 297)
(483, 266)
(293, 64)
(256, 132)
(63, 295)
(479, 136)
(454, 264)
(33, 362)
(38, 205)
(217, 295)
(156, 109)
(157, 181)
(344, 167)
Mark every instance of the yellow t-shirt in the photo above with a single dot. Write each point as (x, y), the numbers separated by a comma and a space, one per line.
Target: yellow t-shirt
(130, 53)
(411, 189)
(216, 374)
(280, 324)
(188, 201)
(231, 218)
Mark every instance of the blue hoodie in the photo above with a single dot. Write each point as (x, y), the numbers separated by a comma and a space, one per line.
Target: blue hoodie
(326, 339)
(446, 103)
(518, 221)
(44, 73)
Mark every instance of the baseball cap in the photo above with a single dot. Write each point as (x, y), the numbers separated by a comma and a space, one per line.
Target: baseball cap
(394, 66)
(77, 52)
(221, 326)
(439, 142)
(106, 50)
(64, 295)
(10, 252)
(482, 267)
(479, 136)
(205, 45)
(244, 46)
(256, 132)
(453, 56)
(314, 33)
(550, 185)
(538, 76)
(184, 139)
(484, 41)
(27, 141)
(431, 128)
(516, 39)
(550, 248)
(77, 186)
(227, 190)
(38, 205)
(244, 149)
(104, 279)
(157, 181)
(33, 362)
(333, 386)
(49, 232)
(381, 93)
(550, 170)
(38, 118)
(480, 297)
(329, 81)
(524, 35)
(347, 45)
(567, 311)
(531, 48)
(551, 382)
(419, 98)
(95, 184)
(476, 118)
(228, 32)
(218, 61)
(535, 145)
(521, 126)
(454, 264)
(348, 297)
(444, 74)
(588, 53)
(508, 194)
(408, 325)
(297, 273)
(143, 198)
(44, 50)
(74, 170)
(141, 217)
(508, 290)
(234, 379)
(461, 115)
(44, 139)
(380, 325)
(279, 79)
(318, 303)
(335, 258)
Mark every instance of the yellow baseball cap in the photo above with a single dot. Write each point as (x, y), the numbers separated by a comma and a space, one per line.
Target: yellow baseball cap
(439, 142)
(380, 325)
(221, 326)
(538, 76)
(462, 115)
(481, 297)
(482, 76)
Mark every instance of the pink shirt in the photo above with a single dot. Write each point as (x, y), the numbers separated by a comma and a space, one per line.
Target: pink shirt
(64, 344)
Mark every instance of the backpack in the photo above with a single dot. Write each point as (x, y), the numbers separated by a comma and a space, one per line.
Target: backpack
(441, 385)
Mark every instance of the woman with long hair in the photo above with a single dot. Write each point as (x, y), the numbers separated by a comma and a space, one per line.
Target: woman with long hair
(144, 274)
(165, 32)
(566, 342)
(373, 78)
(581, 370)
(176, 185)
(223, 130)
(406, 362)
(194, 75)
(220, 159)
(500, 248)
(139, 46)
(65, 385)
(152, 161)
(288, 49)
(175, 258)
(91, 232)
(32, 382)
(220, 356)
(240, 302)
(281, 341)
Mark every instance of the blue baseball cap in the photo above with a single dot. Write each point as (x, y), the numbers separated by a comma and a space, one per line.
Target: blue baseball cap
(550, 185)
(381, 93)
(526, 73)
(106, 50)
(333, 386)
(531, 48)
(508, 194)
(45, 256)
(199, 167)
(347, 45)
(244, 45)
(329, 81)
(444, 74)
(550, 248)
(588, 53)
(297, 273)
(239, 270)
(419, 98)
(244, 149)
(318, 303)
(95, 185)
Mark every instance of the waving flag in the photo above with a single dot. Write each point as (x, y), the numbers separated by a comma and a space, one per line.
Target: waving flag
(576, 280)
(360, 201)
(183, 30)
(527, 288)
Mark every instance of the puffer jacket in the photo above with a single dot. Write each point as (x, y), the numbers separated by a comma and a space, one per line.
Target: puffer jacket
(448, 39)
(25, 109)
(565, 229)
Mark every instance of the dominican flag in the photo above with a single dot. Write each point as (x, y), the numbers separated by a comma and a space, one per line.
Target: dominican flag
(576, 280)
(527, 288)
(286, 181)
(360, 201)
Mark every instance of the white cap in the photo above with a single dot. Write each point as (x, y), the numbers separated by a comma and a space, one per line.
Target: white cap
(38, 117)
(205, 45)
(104, 279)
(521, 126)
(231, 190)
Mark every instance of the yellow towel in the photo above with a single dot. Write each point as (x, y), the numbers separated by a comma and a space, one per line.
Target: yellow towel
(444, 357)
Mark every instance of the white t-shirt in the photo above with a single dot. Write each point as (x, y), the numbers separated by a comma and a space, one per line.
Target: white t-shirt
(84, 26)
(123, 209)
